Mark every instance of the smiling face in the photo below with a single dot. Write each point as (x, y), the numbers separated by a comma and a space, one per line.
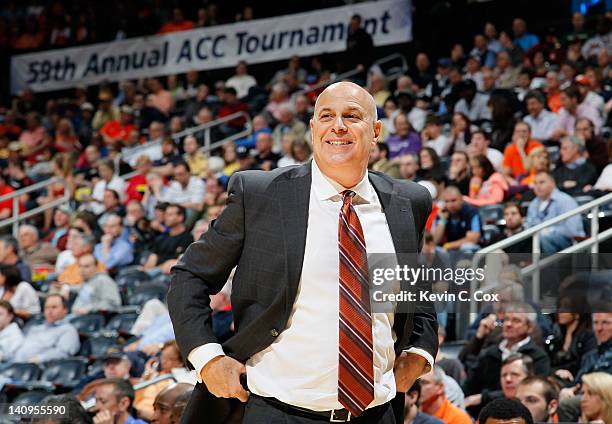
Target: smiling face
(344, 130)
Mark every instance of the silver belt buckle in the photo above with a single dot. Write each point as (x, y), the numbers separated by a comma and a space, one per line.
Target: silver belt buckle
(338, 417)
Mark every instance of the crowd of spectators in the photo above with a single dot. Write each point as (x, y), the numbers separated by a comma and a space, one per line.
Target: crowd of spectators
(517, 121)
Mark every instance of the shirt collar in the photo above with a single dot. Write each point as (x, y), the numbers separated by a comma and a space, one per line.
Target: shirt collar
(325, 188)
(507, 352)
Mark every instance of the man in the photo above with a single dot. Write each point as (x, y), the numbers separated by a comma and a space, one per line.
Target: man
(518, 325)
(241, 81)
(515, 154)
(574, 108)
(412, 414)
(287, 123)
(549, 203)
(432, 136)
(359, 46)
(114, 398)
(170, 245)
(482, 52)
(116, 364)
(165, 402)
(596, 145)
(541, 121)
(522, 38)
(507, 75)
(303, 235)
(6, 206)
(504, 411)
(409, 165)
(541, 397)
(80, 245)
(479, 145)
(434, 401)
(117, 131)
(457, 226)
(574, 173)
(599, 359)
(379, 161)
(33, 251)
(265, 158)
(9, 248)
(514, 225)
(472, 103)
(98, 293)
(55, 338)
(186, 190)
(111, 201)
(114, 251)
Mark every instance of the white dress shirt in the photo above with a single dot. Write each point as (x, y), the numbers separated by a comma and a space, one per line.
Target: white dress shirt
(193, 193)
(301, 366)
(543, 125)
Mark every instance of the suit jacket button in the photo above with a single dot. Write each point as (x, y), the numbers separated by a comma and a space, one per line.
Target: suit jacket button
(274, 332)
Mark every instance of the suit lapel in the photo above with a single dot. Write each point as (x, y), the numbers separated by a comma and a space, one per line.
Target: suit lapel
(398, 211)
(294, 197)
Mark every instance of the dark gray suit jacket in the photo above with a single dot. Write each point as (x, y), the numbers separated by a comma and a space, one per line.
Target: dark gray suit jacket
(263, 231)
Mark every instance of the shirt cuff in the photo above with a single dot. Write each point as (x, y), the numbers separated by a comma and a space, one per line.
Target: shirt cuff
(202, 355)
(424, 354)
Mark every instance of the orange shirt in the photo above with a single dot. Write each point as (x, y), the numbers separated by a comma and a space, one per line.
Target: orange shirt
(450, 414)
(554, 102)
(174, 27)
(72, 274)
(512, 157)
(116, 131)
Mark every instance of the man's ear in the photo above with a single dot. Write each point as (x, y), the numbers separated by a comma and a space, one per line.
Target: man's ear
(552, 407)
(377, 130)
(124, 403)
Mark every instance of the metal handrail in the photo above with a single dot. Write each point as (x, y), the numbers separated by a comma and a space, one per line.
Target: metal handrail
(208, 146)
(16, 218)
(537, 263)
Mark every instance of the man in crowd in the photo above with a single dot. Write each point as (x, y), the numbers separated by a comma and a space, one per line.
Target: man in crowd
(166, 401)
(114, 251)
(114, 398)
(574, 108)
(574, 172)
(542, 122)
(99, 291)
(34, 251)
(265, 158)
(412, 413)
(55, 338)
(457, 226)
(479, 145)
(515, 154)
(541, 397)
(186, 190)
(513, 218)
(434, 401)
(549, 203)
(9, 255)
(80, 244)
(505, 411)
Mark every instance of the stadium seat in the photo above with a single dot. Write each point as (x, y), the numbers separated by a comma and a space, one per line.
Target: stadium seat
(147, 292)
(121, 323)
(491, 214)
(34, 320)
(553, 153)
(489, 231)
(99, 344)
(88, 324)
(64, 372)
(583, 200)
(21, 372)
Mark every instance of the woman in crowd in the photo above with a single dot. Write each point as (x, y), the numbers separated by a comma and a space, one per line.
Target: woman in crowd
(487, 187)
(18, 293)
(430, 166)
(11, 336)
(66, 139)
(460, 132)
(459, 172)
(538, 160)
(195, 158)
(596, 401)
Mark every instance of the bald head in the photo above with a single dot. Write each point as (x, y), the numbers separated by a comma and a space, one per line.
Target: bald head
(339, 88)
(166, 401)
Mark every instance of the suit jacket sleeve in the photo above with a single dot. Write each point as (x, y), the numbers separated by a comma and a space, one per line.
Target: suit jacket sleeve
(203, 270)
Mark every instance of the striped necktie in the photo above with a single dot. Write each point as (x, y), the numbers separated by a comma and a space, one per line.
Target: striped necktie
(355, 368)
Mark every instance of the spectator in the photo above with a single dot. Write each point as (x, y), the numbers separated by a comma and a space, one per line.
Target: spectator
(265, 158)
(137, 186)
(434, 401)
(178, 23)
(377, 87)
(106, 110)
(229, 106)
(522, 38)
(185, 190)
(430, 165)
(33, 251)
(6, 206)
(432, 136)
(302, 109)
(9, 255)
(170, 157)
(505, 410)
(460, 131)
(114, 398)
(538, 160)
(169, 246)
(487, 187)
(287, 124)
(507, 74)
(11, 336)
(502, 119)
(514, 224)
(459, 172)
(574, 108)
(19, 293)
(34, 139)
(55, 338)
(552, 91)
(574, 173)
(412, 413)
(549, 203)
(108, 180)
(408, 166)
(472, 104)
(474, 73)
(541, 121)
(81, 244)
(259, 125)
(241, 81)
(596, 401)
(117, 131)
(98, 293)
(479, 145)
(405, 139)
(518, 326)
(596, 146)
(422, 75)
(482, 52)
(279, 96)
(195, 158)
(74, 411)
(515, 155)
(112, 206)
(114, 251)
(457, 226)
(541, 397)
(168, 401)
(379, 160)
(359, 47)
(160, 99)
(600, 358)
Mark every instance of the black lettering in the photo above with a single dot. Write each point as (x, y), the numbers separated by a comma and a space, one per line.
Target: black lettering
(108, 64)
(295, 33)
(267, 42)
(252, 44)
(385, 18)
(165, 53)
(185, 52)
(331, 28)
(123, 63)
(313, 35)
(218, 39)
(201, 49)
(282, 35)
(369, 23)
(154, 59)
(69, 67)
(56, 70)
(135, 63)
(45, 70)
(92, 65)
(33, 72)
(240, 36)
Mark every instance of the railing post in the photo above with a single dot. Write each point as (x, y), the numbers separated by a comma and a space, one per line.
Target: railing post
(207, 139)
(535, 258)
(595, 235)
(15, 215)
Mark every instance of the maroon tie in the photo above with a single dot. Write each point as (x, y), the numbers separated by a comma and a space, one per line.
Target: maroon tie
(356, 366)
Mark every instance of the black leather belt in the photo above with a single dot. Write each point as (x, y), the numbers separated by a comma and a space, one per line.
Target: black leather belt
(333, 416)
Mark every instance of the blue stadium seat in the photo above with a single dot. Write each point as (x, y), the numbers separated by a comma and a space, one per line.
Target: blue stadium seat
(144, 293)
(491, 214)
(88, 324)
(21, 372)
(489, 231)
(99, 344)
(121, 323)
(64, 372)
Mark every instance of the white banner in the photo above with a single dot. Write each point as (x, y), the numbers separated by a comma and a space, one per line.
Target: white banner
(263, 40)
